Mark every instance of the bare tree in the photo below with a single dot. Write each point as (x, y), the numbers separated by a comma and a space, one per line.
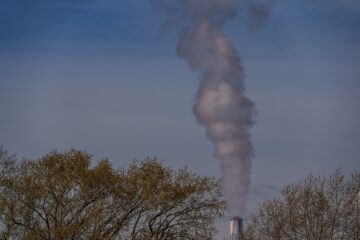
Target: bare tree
(63, 196)
(316, 208)
(176, 205)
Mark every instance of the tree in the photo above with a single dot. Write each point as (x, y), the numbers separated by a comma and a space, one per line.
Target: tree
(174, 205)
(316, 208)
(63, 196)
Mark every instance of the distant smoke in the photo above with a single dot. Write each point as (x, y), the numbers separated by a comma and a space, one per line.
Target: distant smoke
(259, 11)
(221, 105)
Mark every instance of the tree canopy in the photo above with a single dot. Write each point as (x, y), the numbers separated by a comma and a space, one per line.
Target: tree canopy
(63, 195)
(317, 208)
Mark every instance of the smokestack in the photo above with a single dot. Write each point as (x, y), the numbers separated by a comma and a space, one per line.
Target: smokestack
(236, 228)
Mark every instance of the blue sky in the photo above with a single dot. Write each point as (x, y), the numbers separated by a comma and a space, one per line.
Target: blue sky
(103, 76)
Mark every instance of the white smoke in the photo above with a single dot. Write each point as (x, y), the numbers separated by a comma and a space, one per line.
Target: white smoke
(221, 105)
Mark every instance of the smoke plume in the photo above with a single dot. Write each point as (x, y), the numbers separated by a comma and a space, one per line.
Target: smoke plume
(259, 11)
(221, 105)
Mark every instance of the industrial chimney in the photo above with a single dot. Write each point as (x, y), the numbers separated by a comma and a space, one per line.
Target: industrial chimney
(236, 228)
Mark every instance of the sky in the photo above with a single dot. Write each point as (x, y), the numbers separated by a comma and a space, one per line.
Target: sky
(104, 76)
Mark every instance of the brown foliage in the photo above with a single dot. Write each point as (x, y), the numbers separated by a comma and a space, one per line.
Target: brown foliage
(63, 196)
(316, 208)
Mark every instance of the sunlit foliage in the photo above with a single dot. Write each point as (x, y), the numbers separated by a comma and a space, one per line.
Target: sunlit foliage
(315, 208)
(63, 195)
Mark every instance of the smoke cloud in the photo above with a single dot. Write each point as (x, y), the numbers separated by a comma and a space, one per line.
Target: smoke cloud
(221, 104)
(259, 11)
